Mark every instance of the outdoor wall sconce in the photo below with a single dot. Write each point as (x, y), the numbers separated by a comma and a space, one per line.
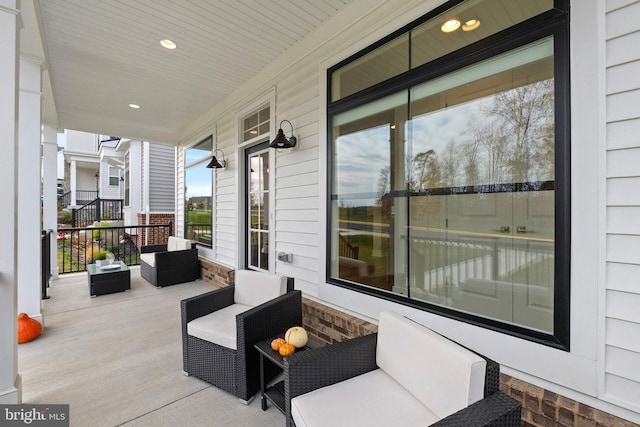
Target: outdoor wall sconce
(282, 141)
(215, 164)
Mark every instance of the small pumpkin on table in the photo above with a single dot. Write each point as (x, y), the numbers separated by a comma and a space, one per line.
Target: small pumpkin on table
(295, 337)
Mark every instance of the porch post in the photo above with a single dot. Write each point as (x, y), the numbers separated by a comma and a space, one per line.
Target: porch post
(72, 182)
(10, 384)
(29, 202)
(50, 190)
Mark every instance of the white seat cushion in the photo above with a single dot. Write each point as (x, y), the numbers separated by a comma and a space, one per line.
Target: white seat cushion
(254, 288)
(149, 258)
(368, 400)
(441, 374)
(218, 327)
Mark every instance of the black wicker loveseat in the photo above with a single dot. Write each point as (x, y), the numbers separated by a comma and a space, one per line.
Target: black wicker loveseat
(314, 374)
(237, 370)
(170, 264)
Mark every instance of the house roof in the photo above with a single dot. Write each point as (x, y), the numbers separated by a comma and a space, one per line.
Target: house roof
(102, 55)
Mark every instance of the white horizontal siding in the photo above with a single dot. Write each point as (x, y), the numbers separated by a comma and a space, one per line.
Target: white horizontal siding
(623, 134)
(179, 225)
(162, 191)
(623, 363)
(623, 277)
(622, 297)
(623, 163)
(623, 220)
(623, 191)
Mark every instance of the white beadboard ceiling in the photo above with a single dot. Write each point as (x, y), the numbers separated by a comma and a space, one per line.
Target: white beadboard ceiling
(101, 55)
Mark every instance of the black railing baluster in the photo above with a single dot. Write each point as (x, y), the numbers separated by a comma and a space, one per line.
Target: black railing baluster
(117, 239)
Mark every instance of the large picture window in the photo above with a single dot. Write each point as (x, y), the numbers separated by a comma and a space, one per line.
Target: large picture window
(198, 193)
(448, 193)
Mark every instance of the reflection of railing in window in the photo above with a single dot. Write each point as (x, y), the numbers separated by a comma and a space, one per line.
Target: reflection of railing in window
(346, 249)
(438, 264)
(200, 233)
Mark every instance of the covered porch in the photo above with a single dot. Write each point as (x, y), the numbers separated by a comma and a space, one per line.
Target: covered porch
(98, 66)
(117, 360)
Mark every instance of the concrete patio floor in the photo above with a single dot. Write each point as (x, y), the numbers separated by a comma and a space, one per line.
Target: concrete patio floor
(117, 361)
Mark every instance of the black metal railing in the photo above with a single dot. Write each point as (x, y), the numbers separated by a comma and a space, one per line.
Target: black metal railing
(97, 210)
(78, 246)
(46, 261)
(82, 197)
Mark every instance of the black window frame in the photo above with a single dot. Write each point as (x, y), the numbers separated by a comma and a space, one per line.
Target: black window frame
(554, 22)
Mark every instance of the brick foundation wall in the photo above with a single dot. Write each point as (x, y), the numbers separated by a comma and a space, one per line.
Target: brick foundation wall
(157, 236)
(216, 274)
(540, 407)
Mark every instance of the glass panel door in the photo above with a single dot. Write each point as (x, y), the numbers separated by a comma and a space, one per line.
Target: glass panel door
(257, 166)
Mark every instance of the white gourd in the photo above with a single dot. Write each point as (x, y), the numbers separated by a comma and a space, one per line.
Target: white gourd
(296, 336)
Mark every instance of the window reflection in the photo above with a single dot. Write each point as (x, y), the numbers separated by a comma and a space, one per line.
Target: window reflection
(198, 193)
(450, 199)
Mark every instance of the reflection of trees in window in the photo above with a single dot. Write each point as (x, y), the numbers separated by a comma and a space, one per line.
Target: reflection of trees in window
(510, 140)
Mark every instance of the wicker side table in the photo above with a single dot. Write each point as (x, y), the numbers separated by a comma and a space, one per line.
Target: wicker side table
(275, 393)
(107, 280)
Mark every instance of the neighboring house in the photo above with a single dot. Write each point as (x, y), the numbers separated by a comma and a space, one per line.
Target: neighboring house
(148, 181)
(81, 165)
(139, 173)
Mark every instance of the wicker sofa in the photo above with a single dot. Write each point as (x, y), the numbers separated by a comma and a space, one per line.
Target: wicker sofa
(220, 328)
(170, 264)
(403, 375)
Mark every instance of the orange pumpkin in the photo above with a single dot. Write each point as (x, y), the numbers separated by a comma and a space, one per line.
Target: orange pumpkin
(276, 343)
(286, 349)
(28, 328)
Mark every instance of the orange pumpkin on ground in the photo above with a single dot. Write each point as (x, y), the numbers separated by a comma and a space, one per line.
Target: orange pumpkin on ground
(276, 343)
(286, 349)
(28, 328)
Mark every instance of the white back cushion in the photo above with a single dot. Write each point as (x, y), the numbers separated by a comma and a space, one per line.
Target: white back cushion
(254, 288)
(444, 376)
(172, 243)
(177, 244)
(186, 244)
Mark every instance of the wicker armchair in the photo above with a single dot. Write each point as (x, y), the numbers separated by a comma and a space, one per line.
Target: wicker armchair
(170, 264)
(236, 371)
(332, 364)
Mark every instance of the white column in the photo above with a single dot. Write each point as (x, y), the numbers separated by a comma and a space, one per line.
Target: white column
(10, 388)
(50, 190)
(72, 182)
(29, 223)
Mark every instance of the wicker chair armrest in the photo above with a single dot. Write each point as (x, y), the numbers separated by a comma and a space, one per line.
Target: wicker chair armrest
(497, 410)
(153, 248)
(313, 369)
(269, 319)
(201, 305)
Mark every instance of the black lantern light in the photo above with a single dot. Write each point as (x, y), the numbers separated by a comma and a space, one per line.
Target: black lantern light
(281, 141)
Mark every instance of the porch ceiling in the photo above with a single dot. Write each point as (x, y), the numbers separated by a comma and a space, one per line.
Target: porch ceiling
(101, 55)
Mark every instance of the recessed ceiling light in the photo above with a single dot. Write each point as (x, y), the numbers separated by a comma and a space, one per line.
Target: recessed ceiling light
(471, 25)
(134, 106)
(169, 44)
(450, 25)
